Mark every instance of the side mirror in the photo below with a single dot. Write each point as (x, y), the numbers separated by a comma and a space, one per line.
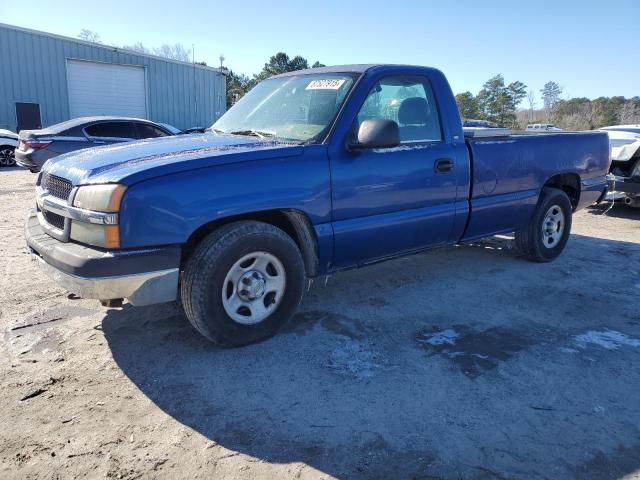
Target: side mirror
(377, 133)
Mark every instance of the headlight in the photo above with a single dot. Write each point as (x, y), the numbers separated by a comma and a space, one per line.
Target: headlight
(99, 198)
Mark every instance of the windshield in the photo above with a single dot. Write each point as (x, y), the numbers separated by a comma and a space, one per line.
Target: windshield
(298, 107)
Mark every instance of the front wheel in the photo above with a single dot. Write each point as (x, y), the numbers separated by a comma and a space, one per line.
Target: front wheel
(242, 283)
(548, 232)
(7, 156)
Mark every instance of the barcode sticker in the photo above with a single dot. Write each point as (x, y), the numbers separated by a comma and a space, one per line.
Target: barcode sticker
(328, 84)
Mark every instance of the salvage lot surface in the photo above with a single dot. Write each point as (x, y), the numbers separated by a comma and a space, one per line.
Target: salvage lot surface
(467, 362)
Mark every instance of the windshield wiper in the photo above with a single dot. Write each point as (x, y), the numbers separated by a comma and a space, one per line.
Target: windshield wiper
(217, 130)
(254, 133)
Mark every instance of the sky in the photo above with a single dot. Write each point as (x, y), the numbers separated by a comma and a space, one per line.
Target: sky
(590, 48)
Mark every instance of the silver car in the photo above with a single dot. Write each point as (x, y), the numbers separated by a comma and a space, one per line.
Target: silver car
(35, 147)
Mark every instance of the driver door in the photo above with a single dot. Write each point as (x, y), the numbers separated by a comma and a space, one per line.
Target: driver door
(387, 201)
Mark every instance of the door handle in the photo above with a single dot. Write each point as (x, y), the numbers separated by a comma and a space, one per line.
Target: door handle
(443, 165)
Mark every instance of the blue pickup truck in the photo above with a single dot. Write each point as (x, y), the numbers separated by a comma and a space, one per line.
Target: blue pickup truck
(311, 172)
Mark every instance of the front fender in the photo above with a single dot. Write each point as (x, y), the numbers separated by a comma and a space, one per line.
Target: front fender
(168, 210)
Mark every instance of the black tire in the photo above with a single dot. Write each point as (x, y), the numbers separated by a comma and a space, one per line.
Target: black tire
(204, 277)
(7, 156)
(531, 239)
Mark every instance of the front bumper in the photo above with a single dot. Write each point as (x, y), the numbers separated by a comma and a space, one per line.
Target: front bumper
(143, 277)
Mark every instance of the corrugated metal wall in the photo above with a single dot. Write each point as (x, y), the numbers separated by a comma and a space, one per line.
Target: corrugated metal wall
(33, 70)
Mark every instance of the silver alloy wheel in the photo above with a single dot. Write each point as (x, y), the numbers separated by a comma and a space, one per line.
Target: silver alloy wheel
(553, 226)
(7, 157)
(253, 288)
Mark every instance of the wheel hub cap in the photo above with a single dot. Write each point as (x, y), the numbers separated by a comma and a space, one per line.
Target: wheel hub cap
(552, 227)
(7, 157)
(251, 286)
(254, 287)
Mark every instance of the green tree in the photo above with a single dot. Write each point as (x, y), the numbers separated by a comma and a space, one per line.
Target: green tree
(551, 93)
(517, 91)
(237, 86)
(498, 102)
(576, 114)
(609, 108)
(280, 63)
(467, 105)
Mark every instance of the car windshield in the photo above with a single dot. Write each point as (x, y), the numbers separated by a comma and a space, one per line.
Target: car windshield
(298, 107)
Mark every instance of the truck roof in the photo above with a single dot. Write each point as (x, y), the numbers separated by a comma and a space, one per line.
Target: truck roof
(356, 68)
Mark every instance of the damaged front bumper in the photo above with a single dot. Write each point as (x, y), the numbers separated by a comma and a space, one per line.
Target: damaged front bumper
(143, 277)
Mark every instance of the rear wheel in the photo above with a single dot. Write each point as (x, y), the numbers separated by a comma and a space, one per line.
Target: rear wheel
(547, 234)
(7, 156)
(242, 283)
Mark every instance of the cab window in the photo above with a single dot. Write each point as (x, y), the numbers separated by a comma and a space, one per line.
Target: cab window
(407, 100)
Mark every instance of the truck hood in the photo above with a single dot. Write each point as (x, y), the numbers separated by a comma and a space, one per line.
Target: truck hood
(132, 162)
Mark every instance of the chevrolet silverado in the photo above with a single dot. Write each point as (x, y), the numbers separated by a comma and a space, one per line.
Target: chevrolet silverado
(309, 173)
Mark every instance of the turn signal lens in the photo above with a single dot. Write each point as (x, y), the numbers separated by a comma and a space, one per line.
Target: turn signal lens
(112, 236)
(104, 236)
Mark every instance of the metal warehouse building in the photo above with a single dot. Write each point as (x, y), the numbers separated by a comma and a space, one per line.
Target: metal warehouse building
(46, 79)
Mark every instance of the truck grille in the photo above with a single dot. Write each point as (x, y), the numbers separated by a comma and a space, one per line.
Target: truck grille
(54, 219)
(56, 186)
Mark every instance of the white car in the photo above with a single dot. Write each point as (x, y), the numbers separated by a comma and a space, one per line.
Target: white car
(543, 127)
(8, 144)
(624, 145)
(623, 128)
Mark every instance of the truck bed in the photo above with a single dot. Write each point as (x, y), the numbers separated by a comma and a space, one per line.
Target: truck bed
(508, 171)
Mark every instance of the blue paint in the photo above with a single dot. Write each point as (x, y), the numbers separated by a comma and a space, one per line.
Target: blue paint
(364, 205)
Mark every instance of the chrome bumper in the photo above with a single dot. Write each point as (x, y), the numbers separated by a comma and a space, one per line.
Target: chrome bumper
(139, 289)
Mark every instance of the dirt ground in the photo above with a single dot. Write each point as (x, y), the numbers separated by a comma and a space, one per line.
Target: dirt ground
(467, 362)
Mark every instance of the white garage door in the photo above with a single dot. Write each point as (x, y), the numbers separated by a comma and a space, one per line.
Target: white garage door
(106, 89)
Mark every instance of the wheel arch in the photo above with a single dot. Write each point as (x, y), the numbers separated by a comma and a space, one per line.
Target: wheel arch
(293, 222)
(569, 183)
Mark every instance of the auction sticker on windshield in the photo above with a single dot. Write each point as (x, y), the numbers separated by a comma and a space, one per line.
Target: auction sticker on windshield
(326, 84)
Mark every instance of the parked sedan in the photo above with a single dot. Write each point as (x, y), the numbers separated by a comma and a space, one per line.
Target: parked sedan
(8, 144)
(37, 146)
